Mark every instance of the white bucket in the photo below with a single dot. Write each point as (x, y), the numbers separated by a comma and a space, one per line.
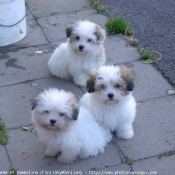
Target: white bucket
(12, 21)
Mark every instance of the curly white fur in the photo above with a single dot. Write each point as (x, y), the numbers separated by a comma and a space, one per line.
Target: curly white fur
(66, 133)
(82, 52)
(110, 99)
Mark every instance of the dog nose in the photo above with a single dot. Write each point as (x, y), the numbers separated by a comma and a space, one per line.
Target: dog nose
(52, 121)
(110, 95)
(81, 47)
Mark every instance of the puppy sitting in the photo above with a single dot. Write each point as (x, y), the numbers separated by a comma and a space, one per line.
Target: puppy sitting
(110, 99)
(68, 132)
(82, 52)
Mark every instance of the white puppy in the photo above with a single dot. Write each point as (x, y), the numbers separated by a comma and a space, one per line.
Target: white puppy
(110, 99)
(82, 52)
(68, 132)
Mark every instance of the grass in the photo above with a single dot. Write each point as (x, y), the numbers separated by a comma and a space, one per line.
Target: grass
(100, 8)
(147, 56)
(13, 171)
(118, 25)
(130, 161)
(3, 134)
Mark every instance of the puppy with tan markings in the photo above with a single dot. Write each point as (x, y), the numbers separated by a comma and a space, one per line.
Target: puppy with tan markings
(110, 99)
(83, 51)
(68, 131)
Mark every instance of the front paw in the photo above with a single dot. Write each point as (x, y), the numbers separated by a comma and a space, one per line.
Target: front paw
(63, 160)
(50, 153)
(126, 134)
(80, 82)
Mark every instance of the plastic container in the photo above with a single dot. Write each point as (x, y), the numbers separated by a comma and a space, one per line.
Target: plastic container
(12, 21)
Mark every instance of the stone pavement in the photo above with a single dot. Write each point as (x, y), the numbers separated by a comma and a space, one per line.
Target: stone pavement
(24, 73)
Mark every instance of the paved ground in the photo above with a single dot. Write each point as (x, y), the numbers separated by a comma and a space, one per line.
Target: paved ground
(24, 73)
(154, 27)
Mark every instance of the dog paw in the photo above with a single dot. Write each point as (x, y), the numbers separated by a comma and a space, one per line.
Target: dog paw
(63, 160)
(80, 82)
(50, 153)
(126, 135)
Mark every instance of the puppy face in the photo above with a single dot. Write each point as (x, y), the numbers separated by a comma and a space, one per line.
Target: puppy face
(84, 36)
(110, 84)
(54, 109)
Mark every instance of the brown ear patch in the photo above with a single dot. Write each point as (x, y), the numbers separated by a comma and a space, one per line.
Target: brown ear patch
(75, 108)
(34, 103)
(101, 34)
(69, 30)
(128, 77)
(90, 86)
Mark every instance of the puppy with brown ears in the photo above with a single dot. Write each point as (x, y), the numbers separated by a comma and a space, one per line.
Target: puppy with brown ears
(110, 99)
(83, 51)
(69, 132)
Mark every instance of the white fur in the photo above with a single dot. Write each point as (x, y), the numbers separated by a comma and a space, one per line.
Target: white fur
(117, 114)
(68, 62)
(74, 139)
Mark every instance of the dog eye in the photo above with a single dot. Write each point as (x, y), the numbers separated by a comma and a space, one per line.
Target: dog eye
(61, 114)
(117, 86)
(77, 38)
(89, 40)
(103, 86)
(46, 112)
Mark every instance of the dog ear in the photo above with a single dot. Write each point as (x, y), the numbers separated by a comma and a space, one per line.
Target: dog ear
(34, 103)
(74, 104)
(69, 30)
(128, 77)
(90, 85)
(101, 34)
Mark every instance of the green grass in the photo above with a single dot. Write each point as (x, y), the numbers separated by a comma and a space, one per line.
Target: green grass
(3, 134)
(13, 171)
(118, 25)
(130, 161)
(100, 8)
(147, 56)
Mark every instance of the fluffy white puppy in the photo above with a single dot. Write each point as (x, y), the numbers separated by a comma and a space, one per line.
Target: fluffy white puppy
(68, 132)
(82, 52)
(110, 99)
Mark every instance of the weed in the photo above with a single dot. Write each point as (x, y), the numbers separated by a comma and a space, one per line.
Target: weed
(146, 56)
(3, 134)
(36, 17)
(100, 8)
(118, 25)
(13, 171)
(130, 161)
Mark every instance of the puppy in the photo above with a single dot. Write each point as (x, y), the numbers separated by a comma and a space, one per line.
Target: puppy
(110, 99)
(67, 131)
(82, 52)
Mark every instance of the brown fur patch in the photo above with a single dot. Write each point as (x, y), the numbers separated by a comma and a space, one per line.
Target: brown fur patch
(100, 33)
(69, 30)
(90, 86)
(128, 77)
(73, 102)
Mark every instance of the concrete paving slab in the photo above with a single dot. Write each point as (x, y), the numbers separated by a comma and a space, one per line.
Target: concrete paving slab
(154, 129)
(118, 169)
(54, 82)
(29, 15)
(149, 83)
(15, 104)
(17, 98)
(30, 155)
(19, 65)
(54, 26)
(162, 166)
(34, 35)
(119, 51)
(42, 8)
(4, 163)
